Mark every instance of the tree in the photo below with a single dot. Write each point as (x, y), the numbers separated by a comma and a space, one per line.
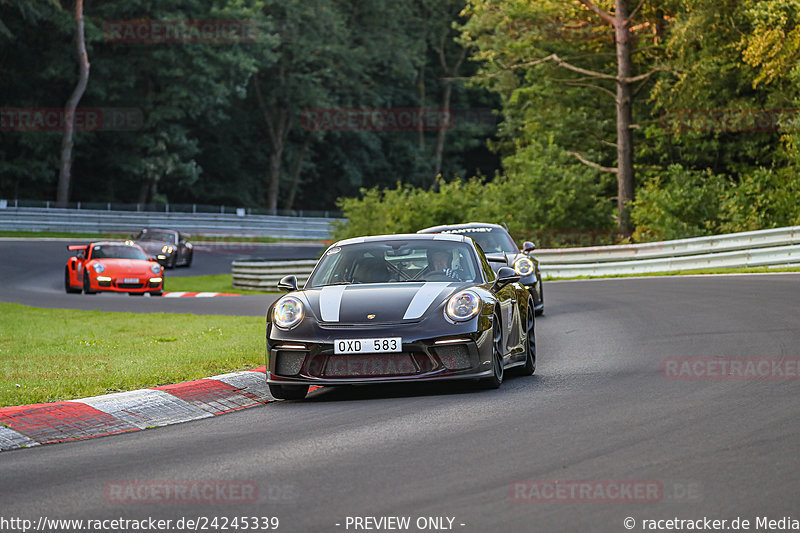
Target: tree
(515, 36)
(65, 168)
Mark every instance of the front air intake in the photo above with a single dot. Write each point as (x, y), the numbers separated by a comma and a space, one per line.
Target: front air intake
(454, 356)
(288, 363)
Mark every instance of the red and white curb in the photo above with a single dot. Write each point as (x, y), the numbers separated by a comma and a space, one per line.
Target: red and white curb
(197, 294)
(121, 412)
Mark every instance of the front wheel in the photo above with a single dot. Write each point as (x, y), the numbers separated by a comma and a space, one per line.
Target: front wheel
(496, 379)
(87, 287)
(288, 392)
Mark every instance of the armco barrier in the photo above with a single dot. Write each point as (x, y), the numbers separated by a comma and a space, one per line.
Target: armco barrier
(264, 275)
(89, 221)
(773, 247)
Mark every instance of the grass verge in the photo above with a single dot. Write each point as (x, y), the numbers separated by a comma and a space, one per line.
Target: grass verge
(53, 354)
(702, 271)
(212, 283)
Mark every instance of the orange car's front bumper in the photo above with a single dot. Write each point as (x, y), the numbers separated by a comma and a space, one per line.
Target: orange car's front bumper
(120, 284)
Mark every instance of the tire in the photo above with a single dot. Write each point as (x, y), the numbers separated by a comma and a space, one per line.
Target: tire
(496, 379)
(187, 261)
(156, 293)
(86, 286)
(67, 286)
(288, 392)
(540, 306)
(530, 343)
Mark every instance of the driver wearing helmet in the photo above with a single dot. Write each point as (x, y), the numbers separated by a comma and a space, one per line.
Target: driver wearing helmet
(441, 262)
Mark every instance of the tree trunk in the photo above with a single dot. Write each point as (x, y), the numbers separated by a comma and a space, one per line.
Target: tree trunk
(275, 160)
(421, 95)
(624, 119)
(447, 72)
(65, 170)
(278, 121)
(296, 170)
(442, 133)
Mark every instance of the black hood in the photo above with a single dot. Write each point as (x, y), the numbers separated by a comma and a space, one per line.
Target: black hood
(387, 303)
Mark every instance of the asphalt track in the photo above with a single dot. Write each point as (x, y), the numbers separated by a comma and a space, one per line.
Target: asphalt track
(598, 409)
(32, 273)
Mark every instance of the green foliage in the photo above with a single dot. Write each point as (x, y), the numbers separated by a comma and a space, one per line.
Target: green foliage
(678, 203)
(764, 199)
(544, 191)
(204, 137)
(689, 203)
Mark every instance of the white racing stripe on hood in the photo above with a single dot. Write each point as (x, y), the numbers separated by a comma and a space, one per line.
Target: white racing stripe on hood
(330, 299)
(424, 298)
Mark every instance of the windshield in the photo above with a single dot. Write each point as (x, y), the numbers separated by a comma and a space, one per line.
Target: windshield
(156, 236)
(491, 240)
(117, 251)
(396, 261)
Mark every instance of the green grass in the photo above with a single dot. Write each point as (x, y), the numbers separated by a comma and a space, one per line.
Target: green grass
(212, 283)
(51, 354)
(700, 271)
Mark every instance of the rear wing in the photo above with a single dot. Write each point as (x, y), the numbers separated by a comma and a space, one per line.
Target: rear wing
(78, 248)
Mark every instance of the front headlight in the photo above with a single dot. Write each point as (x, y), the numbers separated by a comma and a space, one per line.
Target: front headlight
(288, 312)
(523, 266)
(155, 269)
(98, 268)
(463, 306)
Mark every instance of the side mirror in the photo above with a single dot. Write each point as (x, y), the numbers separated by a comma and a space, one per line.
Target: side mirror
(288, 283)
(505, 276)
(528, 247)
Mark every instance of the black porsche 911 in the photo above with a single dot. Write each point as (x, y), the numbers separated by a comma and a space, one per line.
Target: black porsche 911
(398, 308)
(169, 247)
(500, 248)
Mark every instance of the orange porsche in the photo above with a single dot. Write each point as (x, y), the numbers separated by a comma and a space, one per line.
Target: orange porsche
(114, 267)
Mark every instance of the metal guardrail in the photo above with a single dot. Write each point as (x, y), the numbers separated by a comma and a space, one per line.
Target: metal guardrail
(166, 208)
(264, 275)
(772, 247)
(81, 220)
